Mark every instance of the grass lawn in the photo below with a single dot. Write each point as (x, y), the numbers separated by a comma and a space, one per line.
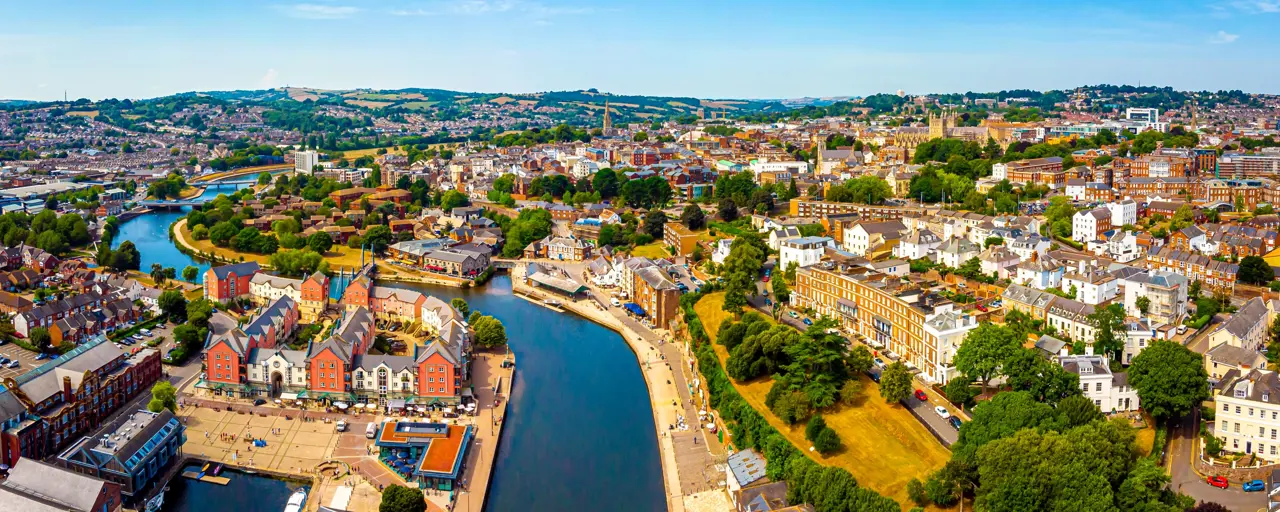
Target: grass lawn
(340, 256)
(1144, 438)
(357, 153)
(884, 445)
(652, 250)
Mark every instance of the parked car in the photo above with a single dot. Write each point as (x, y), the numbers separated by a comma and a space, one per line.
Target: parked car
(1254, 486)
(768, 302)
(808, 321)
(875, 376)
(955, 422)
(793, 314)
(615, 302)
(879, 363)
(1218, 481)
(942, 411)
(1182, 329)
(341, 426)
(41, 356)
(259, 402)
(766, 279)
(921, 396)
(982, 308)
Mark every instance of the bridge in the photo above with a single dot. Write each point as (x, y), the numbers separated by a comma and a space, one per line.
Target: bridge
(155, 204)
(218, 184)
(504, 263)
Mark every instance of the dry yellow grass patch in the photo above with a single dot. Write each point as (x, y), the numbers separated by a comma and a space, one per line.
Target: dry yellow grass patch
(502, 100)
(652, 250)
(357, 153)
(884, 445)
(84, 113)
(368, 104)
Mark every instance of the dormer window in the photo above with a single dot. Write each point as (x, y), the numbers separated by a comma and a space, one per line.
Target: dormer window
(1239, 393)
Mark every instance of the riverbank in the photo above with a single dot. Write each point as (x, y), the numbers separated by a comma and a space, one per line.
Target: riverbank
(664, 396)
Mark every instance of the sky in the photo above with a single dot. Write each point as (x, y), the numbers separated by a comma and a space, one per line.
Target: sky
(699, 48)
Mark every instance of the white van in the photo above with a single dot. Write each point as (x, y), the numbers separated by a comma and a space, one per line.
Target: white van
(371, 431)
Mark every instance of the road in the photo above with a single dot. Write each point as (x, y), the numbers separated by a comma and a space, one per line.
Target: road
(1186, 481)
(924, 411)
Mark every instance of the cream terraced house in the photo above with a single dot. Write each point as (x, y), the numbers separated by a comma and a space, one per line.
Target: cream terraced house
(917, 326)
(266, 288)
(1247, 417)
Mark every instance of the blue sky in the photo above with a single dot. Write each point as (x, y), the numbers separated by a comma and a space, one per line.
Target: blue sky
(702, 48)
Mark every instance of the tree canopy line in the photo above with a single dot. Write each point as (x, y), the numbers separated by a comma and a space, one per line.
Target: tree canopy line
(55, 234)
(1039, 444)
(826, 487)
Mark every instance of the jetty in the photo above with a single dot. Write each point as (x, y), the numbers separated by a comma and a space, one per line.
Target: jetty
(220, 480)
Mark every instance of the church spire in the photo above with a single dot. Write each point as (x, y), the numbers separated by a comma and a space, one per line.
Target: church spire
(607, 122)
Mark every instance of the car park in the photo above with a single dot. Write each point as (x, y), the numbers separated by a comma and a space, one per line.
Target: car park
(942, 411)
(1254, 486)
(1218, 481)
(921, 396)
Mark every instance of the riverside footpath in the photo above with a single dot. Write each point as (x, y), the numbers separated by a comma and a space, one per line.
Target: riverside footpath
(692, 462)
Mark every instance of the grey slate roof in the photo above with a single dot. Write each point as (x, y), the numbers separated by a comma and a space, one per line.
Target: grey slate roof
(1246, 318)
(34, 486)
(747, 466)
(240, 269)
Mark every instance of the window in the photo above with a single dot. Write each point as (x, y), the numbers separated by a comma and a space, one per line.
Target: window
(1237, 428)
(1237, 409)
(1098, 387)
(1226, 408)
(1251, 411)
(1262, 431)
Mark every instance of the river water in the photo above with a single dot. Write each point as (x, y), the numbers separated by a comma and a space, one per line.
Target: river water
(244, 493)
(579, 430)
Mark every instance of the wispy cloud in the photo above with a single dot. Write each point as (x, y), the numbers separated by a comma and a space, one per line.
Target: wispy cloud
(1222, 37)
(318, 11)
(474, 7)
(490, 7)
(1256, 6)
(269, 80)
(412, 12)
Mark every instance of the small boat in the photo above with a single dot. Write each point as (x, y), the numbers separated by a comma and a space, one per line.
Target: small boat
(203, 470)
(296, 501)
(154, 504)
(217, 470)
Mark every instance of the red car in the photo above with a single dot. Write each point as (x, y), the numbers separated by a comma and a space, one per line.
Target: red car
(921, 396)
(766, 279)
(982, 308)
(1218, 481)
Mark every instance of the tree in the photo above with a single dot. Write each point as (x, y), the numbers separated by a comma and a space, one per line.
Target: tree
(489, 332)
(815, 425)
(1044, 380)
(452, 199)
(398, 498)
(654, 221)
(1255, 270)
(174, 304)
(746, 256)
(895, 383)
(859, 359)
(222, 233)
(693, 218)
(984, 350)
(163, 396)
(125, 257)
(264, 178)
(461, 305)
(320, 242)
(377, 238)
(960, 391)
(827, 441)
(1048, 470)
(606, 183)
(728, 210)
(41, 339)
(1108, 329)
(189, 273)
(781, 293)
(1144, 304)
(157, 274)
(1170, 379)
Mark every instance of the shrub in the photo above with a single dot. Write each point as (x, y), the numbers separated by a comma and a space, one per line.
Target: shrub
(827, 441)
(915, 491)
(815, 426)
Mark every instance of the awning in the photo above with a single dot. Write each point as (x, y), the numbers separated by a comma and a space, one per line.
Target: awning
(634, 308)
(288, 396)
(395, 403)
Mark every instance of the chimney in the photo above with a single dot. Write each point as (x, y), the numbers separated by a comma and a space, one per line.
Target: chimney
(68, 394)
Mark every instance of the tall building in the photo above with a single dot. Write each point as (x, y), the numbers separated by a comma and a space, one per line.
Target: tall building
(608, 123)
(304, 161)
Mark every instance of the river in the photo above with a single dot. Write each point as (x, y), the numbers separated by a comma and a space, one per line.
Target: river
(244, 493)
(579, 433)
(150, 234)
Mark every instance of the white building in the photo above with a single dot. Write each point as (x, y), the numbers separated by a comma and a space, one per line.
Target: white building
(1109, 391)
(1093, 285)
(305, 161)
(721, 250)
(1039, 273)
(1123, 212)
(1070, 318)
(1087, 225)
(956, 251)
(998, 261)
(1026, 246)
(1166, 292)
(946, 329)
(283, 370)
(794, 168)
(266, 288)
(917, 245)
(803, 251)
(864, 236)
(1247, 417)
